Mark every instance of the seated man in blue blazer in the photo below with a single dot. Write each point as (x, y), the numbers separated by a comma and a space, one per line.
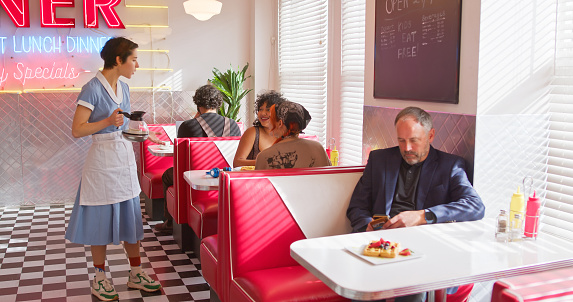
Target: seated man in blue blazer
(413, 183)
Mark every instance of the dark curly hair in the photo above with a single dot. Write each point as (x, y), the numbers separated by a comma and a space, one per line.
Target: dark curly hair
(208, 97)
(114, 47)
(270, 97)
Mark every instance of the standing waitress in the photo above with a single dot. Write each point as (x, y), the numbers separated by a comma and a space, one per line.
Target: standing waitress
(107, 207)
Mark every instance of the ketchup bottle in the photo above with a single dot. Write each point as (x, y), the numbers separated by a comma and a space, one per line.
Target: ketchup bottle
(331, 143)
(532, 216)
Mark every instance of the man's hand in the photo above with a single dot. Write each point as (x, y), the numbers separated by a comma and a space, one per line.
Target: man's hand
(369, 228)
(406, 219)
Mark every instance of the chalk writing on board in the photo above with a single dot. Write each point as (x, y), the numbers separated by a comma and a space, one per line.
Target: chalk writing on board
(433, 28)
(417, 49)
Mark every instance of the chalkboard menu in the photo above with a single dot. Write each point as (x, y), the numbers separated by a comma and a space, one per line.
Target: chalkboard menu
(417, 50)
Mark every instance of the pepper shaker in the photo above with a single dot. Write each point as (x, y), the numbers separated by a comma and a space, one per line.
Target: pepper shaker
(502, 227)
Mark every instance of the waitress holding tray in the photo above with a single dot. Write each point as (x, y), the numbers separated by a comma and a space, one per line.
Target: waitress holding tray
(107, 207)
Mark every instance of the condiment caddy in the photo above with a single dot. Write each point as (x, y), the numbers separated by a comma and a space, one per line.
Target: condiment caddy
(523, 219)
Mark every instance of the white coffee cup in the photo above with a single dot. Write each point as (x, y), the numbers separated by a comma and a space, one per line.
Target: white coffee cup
(165, 145)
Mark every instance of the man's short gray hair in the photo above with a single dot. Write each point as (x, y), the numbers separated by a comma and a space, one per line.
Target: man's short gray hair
(419, 115)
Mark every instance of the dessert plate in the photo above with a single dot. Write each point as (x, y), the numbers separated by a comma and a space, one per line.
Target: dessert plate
(357, 251)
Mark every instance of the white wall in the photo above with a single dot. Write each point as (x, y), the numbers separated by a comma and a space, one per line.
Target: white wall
(263, 50)
(198, 46)
(468, 65)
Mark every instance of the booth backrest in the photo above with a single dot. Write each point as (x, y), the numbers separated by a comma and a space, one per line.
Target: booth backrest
(262, 212)
(151, 164)
(197, 153)
(552, 285)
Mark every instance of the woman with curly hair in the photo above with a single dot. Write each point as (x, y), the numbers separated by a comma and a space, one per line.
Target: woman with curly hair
(258, 138)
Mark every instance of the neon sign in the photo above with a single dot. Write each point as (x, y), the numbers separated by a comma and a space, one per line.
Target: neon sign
(25, 73)
(48, 10)
(45, 60)
(19, 13)
(107, 11)
(53, 44)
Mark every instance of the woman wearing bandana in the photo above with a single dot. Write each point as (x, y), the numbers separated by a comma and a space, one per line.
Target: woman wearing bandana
(288, 119)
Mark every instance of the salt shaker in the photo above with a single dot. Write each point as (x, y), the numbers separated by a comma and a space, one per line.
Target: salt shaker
(502, 226)
(516, 228)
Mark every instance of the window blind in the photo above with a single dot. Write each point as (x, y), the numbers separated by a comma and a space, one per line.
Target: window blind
(352, 81)
(303, 57)
(558, 212)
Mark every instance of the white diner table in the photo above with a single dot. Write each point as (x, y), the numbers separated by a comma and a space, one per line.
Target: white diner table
(452, 254)
(156, 150)
(200, 180)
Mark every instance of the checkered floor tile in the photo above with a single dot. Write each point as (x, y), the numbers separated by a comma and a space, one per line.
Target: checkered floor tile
(38, 264)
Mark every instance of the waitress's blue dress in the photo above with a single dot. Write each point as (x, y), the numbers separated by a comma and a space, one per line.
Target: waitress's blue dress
(101, 222)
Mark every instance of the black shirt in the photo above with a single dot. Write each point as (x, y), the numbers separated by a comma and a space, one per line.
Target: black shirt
(406, 188)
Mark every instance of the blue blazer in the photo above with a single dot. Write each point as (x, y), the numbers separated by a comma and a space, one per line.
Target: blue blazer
(443, 188)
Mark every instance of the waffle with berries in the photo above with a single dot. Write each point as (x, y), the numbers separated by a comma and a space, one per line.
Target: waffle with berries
(382, 248)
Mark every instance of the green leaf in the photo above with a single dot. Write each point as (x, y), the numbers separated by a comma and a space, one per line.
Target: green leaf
(230, 84)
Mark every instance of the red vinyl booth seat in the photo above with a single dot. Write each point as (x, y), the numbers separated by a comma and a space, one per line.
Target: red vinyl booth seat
(293, 283)
(196, 208)
(256, 230)
(461, 295)
(209, 260)
(152, 167)
(553, 285)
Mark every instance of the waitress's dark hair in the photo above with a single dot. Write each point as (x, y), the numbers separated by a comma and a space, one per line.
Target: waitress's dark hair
(116, 47)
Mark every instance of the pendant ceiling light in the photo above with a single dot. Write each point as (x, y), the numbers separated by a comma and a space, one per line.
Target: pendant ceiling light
(202, 9)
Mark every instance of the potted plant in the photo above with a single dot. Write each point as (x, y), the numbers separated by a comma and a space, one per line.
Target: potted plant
(230, 84)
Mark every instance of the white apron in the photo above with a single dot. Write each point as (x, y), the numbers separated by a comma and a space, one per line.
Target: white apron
(110, 174)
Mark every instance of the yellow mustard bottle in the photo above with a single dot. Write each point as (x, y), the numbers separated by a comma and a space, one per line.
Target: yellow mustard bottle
(334, 157)
(517, 206)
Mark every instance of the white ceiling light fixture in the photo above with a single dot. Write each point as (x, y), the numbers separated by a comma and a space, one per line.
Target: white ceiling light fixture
(202, 9)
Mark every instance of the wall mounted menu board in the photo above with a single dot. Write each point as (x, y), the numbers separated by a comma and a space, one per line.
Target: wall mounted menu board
(417, 50)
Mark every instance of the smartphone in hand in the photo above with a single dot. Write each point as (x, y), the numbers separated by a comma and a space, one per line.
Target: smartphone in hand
(379, 221)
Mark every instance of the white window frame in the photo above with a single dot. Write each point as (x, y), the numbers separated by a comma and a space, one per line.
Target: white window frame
(344, 87)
